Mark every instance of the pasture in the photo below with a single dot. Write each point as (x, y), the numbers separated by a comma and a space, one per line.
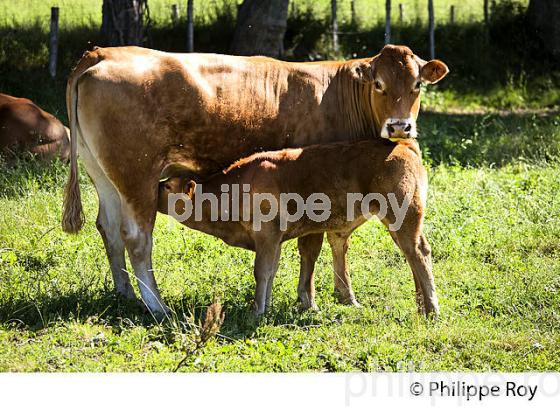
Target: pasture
(493, 222)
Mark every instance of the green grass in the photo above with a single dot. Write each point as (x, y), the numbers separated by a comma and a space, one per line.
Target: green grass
(493, 222)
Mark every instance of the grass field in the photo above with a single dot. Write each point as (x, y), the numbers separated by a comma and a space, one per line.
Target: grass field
(493, 222)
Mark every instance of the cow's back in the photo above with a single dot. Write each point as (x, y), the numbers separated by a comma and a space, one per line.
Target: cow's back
(204, 110)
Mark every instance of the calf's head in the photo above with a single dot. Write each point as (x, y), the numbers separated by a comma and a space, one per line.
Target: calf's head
(395, 76)
(174, 185)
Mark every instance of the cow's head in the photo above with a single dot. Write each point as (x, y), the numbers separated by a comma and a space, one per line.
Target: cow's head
(396, 75)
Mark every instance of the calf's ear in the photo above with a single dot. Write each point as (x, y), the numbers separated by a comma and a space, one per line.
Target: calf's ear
(362, 71)
(433, 71)
(189, 188)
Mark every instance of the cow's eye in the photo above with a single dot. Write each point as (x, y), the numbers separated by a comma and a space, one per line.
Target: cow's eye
(378, 86)
(417, 86)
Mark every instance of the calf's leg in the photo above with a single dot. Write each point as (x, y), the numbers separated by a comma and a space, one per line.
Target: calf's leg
(309, 247)
(342, 281)
(266, 264)
(417, 251)
(419, 294)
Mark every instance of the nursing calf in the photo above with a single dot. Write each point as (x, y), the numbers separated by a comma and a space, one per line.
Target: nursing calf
(257, 204)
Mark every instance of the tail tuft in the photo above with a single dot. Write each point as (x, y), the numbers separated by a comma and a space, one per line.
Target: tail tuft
(73, 215)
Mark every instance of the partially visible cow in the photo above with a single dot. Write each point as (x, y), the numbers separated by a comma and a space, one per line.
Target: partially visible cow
(348, 182)
(134, 111)
(26, 128)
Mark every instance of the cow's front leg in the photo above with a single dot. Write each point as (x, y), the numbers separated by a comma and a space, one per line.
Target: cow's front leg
(342, 281)
(266, 265)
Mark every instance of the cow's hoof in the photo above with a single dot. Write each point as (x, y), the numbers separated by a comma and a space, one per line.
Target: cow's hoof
(158, 315)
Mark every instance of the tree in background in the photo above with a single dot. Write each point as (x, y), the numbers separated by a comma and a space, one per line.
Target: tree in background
(544, 16)
(260, 29)
(124, 22)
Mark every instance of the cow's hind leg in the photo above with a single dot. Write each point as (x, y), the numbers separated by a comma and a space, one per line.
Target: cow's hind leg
(109, 224)
(342, 281)
(136, 231)
(309, 249)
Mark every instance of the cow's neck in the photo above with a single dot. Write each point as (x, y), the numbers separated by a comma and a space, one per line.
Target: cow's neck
(352, 102)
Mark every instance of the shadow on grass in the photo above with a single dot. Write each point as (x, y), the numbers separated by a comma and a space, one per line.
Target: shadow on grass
(489, 139)
(107, 308)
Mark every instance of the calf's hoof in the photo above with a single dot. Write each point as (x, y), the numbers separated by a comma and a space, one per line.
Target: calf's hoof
(307, 307)
(306, 302)
(349, 300)
(126, 294)
(432, 315)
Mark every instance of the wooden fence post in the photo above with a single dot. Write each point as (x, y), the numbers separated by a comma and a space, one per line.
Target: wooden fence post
(294, 9)
(174, 14)
(387, 21)
(352, 12)
(451, 14)
(190, 27)
(334, 26)
(431, 28)
(53, 42)
(401, 13)
(486, 12)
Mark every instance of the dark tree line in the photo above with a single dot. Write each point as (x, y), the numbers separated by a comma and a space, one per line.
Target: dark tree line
(261, 24)
(260, 29)
(124, 22)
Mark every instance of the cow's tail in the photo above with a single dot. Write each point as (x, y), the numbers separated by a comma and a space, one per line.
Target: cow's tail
(73, 213)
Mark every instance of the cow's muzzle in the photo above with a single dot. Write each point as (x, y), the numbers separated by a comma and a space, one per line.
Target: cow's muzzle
(398, 129)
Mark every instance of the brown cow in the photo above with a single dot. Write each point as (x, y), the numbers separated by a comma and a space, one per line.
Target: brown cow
(24, 127)
(344, 174)
(134, 111)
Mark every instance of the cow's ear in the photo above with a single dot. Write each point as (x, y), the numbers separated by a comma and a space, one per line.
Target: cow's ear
(362, 71)
(433, 71)
(189, 188)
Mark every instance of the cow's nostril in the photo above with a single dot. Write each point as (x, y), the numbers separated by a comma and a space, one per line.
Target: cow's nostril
(408, 128)
(390, 129)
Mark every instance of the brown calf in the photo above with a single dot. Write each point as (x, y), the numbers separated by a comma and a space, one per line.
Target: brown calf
(24, 127)
(391, 173)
